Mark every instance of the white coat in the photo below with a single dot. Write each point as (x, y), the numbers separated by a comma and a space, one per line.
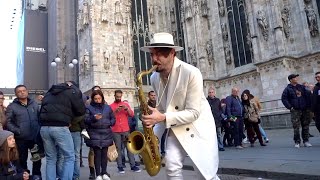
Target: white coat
(189, 116)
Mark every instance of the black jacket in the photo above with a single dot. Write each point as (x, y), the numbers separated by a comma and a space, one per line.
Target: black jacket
(23, 120)
(295, 97)
(60, 105)
(216, 109)
(11, 171)
(316, 99)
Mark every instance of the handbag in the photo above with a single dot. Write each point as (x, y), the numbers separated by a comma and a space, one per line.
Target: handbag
(112, 153)
(252, 115)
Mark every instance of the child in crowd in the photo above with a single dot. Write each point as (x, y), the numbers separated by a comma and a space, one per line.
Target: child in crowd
(9, 158)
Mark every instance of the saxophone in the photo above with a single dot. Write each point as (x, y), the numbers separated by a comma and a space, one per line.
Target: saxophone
(147, 144)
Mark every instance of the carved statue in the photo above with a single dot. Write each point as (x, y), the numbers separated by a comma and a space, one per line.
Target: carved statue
(86, 66)
(104, 11)
(307, 1)
(221, 7)
(79, 20)
(182, 12)
(209, 51)
(312, 20)
(227, 53)
(172, 15)
(192, 54)
(188, 13)
(204, 8)
(117, 14)
(121, 61)
(263, 24)
(224, 31)
(85, 20)
(151, 14)
(285, 17)
(106, 63)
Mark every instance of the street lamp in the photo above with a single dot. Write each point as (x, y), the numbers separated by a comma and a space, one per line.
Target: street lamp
(64, 61)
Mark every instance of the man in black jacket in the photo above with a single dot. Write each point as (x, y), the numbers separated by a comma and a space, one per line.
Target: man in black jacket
(22, 120)
(316, 101)
(216, 110)
(61, 104)
(295, 98)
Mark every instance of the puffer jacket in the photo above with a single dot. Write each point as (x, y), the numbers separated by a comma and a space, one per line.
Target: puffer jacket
(22, 119)
(60, 105)
(99, 130)
(295, 97)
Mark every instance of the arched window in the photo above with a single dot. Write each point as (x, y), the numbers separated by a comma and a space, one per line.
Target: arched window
(239, 32)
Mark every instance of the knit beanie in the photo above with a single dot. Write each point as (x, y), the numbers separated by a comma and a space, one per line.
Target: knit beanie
(4, 135)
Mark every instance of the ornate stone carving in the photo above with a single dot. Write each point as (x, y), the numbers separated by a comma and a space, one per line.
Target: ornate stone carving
(121, 61)
(192, 54)
(224, 31)
(227, 53)
(85, 20)
(86, 63)
(172, 15)
(80, 20)
(151, 14)
(117, 15)
(307, 1)
(188, 12)
(285, 17)
(312, 20)
(104, 11)
(204, 8)
(196, 7)
(221, 7)
(106, 62)
(209, 51)
(182, 12)
(263, 24)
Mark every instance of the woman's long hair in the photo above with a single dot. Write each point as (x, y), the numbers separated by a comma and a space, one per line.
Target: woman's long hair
(97, 92)
(245, 102)
(8, 154)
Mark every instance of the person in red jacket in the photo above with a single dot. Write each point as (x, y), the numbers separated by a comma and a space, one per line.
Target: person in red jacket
(121, 129)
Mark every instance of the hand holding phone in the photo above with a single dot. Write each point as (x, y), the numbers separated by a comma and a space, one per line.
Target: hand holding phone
(98, 116)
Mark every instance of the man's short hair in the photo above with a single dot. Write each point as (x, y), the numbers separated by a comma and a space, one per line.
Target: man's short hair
(1, 93)
(117, 91)
(317, 73)
(150, 92)
(19, 86)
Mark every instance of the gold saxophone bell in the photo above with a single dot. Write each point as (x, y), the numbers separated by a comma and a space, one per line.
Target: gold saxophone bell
(146, 144)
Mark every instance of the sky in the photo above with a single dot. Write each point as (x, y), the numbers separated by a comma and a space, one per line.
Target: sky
(8, 37)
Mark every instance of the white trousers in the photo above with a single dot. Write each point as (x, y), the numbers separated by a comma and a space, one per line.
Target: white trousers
(174, 158)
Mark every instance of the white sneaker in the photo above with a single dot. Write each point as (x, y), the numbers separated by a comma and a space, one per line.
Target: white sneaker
(105, 177)
(85, 134)
(245, 140)
(99, 178)
(307, 144)
(297, 145)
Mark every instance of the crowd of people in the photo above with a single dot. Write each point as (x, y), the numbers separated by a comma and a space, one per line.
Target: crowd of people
(54, 127)
(236, 114)
(182, 118)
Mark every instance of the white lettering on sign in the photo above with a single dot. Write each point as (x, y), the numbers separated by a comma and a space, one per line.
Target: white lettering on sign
(35, 49)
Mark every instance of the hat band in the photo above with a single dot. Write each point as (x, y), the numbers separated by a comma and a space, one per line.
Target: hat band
(161, 44)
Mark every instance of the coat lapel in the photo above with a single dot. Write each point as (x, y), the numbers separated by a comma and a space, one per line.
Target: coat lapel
(173, 80)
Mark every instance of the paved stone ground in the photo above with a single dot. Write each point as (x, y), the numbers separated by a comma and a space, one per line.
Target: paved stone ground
(278, 160)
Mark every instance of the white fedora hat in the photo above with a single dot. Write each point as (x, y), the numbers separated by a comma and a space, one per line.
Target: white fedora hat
(161, 40)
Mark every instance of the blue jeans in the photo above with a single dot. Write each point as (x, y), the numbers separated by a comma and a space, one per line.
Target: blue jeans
(77, 145)
(219, 137)
(263, 133)
(53, 138)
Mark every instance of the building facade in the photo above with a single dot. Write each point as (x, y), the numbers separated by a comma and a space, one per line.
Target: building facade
(249, 44)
